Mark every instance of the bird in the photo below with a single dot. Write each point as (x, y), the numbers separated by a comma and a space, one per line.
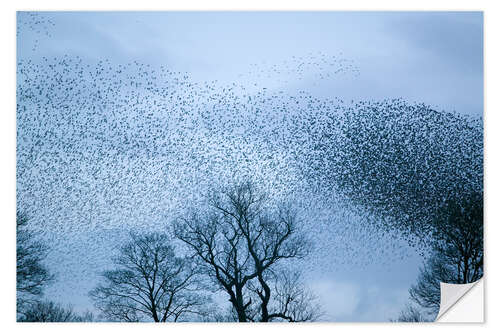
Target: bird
(105, 147)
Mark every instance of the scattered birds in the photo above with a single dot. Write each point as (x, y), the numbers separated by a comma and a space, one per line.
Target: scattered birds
(35, 23)
(103, 148)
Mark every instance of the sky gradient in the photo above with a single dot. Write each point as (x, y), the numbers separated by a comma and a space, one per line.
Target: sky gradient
(422, 57)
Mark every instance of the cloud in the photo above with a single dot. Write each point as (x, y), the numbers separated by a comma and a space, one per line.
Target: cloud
(359, 301)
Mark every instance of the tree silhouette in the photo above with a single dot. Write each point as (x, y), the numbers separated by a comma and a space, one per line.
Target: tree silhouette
(410, 314)
(150, 283)
(32, 275)
(240, 242)
(292, 301)
(457, 252)
(458, 237)
(49, 311)
(457, 255)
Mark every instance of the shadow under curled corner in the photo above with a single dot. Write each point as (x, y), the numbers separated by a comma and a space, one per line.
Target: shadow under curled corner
(462, 303)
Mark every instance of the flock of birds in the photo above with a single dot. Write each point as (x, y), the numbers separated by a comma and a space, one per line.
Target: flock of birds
(39, 25)
(312, 67)
(104, 148)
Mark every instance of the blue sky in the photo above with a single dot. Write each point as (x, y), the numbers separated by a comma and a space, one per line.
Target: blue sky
(434, 58)
(431, 57)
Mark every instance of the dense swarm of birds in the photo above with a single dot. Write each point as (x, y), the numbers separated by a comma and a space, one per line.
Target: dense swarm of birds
(400, 162)
(103, 148)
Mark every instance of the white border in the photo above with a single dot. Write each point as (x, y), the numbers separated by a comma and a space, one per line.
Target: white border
(7, 141)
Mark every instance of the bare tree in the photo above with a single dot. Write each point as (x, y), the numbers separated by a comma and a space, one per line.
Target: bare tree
(459, 237)
(240, 241)
(49, 311)
(32, 275)
(150, 283)
(293, 301)
(457, 252)
(411, 315)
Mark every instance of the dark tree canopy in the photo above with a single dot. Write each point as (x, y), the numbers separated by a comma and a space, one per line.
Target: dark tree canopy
(150, 283)
(459, 236)
(48, 311)
(32, 275)
(240, 241)
(411, 314)
(457, 255)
